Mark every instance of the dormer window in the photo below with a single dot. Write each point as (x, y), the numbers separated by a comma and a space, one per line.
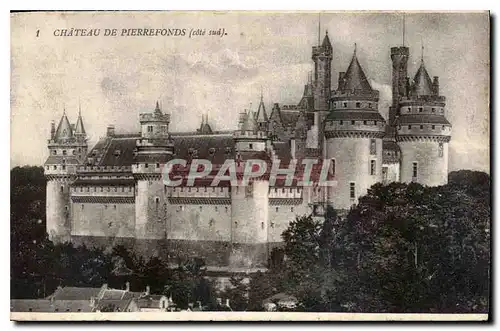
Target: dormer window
(228, 150)
(64, 152)
(358, 104)
(54, 152)
(117, 152)
(150, 128)
(211, 151)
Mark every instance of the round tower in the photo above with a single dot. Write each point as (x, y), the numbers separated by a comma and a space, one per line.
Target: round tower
(67, 149)
(249, 201)
(354, 130)
(154, 149)
(423, 132)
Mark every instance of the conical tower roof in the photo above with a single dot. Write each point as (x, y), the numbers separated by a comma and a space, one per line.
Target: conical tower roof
(249, 123)
(80, 128)
(261, 112)
(326, 42)
(64, 130)
(422, 83)
(355, 78)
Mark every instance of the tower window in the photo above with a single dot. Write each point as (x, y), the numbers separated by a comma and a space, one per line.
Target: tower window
(250, 146)
(157, 165)
(364, 122)
(352, 190)
(409, 127)
(420, 109)
(415, 170)
(277, 209)
(64, 152)
(74, 152)
(440, 149)
(62, 189)
(372, 167)
(262, 225)
(421, 127)
(433, 127)
(114, 207)
(333, 167)
(373, 147)
(54, 152)
(83, 206)
(443, 127)
(63, 167)
(358, 104)
(145, 165)
(341, 122)
(345, 104)
(150, 128)
(291, 209)
(369, 105)
(353, 122)
(433, 110)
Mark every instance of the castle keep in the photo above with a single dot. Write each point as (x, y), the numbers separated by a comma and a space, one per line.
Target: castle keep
(115, 193)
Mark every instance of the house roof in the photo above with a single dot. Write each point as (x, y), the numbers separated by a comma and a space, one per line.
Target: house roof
(44, 305)
(216, 148)
(118, 305)
(64, 129)
(74, 293)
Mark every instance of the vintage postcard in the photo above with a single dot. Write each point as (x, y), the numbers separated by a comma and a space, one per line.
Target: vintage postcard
(250, 166)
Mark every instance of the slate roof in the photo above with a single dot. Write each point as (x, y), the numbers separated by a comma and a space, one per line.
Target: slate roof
(74, 293)
(64, 129)
(119, 305)
(351, 115)
(44, 305)
(58, 159)
(125, 157)
(209, 147)
(422, 83)
(355, 78)
(422, 119)
(79, 128)
(149, 301)
(289, 117)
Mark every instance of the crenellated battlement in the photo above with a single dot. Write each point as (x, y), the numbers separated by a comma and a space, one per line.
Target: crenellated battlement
(102, 169)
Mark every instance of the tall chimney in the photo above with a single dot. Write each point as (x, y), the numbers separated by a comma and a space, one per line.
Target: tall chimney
(147, 289)
(435, 85)
(110, 132)
(127, 286)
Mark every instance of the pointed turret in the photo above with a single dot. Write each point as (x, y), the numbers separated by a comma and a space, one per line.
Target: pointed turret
(64, 130)
(422, 83)
(355, 78)
(261, 111)
(80, 128)
(326, 42)
(249, 123)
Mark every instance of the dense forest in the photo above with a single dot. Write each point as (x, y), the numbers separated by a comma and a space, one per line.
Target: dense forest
(402, 248)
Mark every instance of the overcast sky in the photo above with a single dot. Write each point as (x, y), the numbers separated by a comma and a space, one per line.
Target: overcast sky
(116, 78)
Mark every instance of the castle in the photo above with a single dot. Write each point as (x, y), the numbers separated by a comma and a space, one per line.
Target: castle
(115, 193)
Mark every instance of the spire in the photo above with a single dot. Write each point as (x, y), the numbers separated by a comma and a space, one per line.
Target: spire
(404, 28)
(319, 28)
(157, 108)
(79, 128)
(261, 111)
(326, 42)
(355, 78)
(64, 130)
(422, 55)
